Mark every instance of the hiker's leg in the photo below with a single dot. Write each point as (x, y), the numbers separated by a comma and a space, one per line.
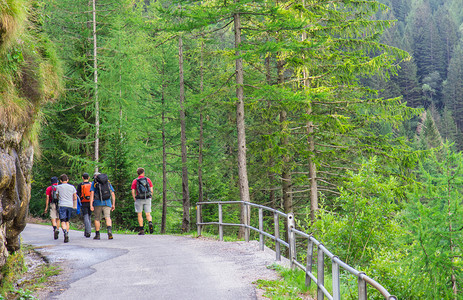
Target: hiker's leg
(107, 215)
(97, 225)
(54, 215)
(62, 216)
(87, 213)
(140, 219)
(98, 214)
(148, 217)
(87, 223)
(147, 209)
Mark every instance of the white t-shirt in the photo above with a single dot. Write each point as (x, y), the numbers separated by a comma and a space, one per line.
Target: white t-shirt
(66, 193)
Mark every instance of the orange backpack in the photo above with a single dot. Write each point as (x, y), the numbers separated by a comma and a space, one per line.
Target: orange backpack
(85, 192)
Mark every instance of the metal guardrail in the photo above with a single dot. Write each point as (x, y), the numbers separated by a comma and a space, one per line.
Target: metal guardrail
(363, 279)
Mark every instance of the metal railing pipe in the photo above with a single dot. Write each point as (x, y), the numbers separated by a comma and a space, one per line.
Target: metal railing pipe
(220, 223)
(276, 222)
(246, 221)
(362, 288)
(308, 267)
(291, 240)
(198, 219)
(320, 273)
(322, 292)
(261, 228)
(336, 281)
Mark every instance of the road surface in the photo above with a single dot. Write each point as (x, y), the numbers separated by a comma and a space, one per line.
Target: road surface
(152, 266)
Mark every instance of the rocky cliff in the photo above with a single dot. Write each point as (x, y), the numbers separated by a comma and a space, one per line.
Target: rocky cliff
(15, 181)
(29, 77)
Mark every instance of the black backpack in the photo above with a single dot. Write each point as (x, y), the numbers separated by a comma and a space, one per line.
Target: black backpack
(54, 195)
(143, 188)
(102, 188)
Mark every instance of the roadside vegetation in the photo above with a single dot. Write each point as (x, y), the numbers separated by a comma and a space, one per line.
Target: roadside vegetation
(24, 274)
(292, 286)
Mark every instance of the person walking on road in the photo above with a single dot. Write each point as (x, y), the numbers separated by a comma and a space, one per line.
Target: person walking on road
(83, 189)
(102, 202)
(52, 202)
(67, 196)
(142, 192)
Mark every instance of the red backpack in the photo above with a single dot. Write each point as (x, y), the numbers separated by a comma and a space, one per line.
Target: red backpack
(85, 192)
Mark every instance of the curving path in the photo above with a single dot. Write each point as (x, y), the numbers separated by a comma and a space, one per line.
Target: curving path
(152, 266)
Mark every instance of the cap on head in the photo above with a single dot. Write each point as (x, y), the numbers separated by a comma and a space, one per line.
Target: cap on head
(54, 179)
(85, 176)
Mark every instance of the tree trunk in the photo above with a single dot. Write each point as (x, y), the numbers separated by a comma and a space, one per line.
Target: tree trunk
(312, 171)
(95, 78)
(185, 191)
(286, 184)
(164, 158)
(311, 145)
(240, 125)
(271, 175)
(201, 132)
(453, 277)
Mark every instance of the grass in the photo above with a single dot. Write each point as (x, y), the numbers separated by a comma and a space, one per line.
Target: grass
(208, 235)
(292, 286)
(20, 283)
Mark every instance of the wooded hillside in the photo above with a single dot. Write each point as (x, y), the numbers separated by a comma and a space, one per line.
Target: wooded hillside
(343, 112)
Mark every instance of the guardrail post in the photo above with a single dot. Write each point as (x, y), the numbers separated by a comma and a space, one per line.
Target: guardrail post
(336, 281)
(277, 236)
(362, 287)
(308, 268)
(320, 273)
(291, 240)
(198, 219)
(220, 223)
(246, 221)
(261, 228)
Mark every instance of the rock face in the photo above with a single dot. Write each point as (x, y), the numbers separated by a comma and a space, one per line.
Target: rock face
(29, 78)
(15, 186)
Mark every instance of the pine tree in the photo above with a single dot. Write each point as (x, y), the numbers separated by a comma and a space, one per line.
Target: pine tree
(433, 219)
(453, 87)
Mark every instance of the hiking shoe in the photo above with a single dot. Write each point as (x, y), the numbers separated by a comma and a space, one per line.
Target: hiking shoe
(110, 236)
(97, 236)
(56, 233)
(66, 238)
(87, 235)
(151, 228)
(141, 232)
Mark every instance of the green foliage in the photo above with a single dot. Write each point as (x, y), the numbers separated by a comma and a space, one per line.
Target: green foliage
(13, 271)
(29, 71)
(292, 285)
(433, 220)
(364, 222)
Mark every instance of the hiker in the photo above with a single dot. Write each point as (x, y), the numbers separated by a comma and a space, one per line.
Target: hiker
(83, 189)
(52, 201)
(102, 202)
(142, 192)
(67, 196)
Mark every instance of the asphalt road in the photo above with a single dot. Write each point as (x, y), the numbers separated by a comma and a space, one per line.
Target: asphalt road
(152, 266)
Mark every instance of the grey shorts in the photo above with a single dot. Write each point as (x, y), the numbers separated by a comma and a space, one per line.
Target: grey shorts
(53, 211)
(143, 205)
(102, 210)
